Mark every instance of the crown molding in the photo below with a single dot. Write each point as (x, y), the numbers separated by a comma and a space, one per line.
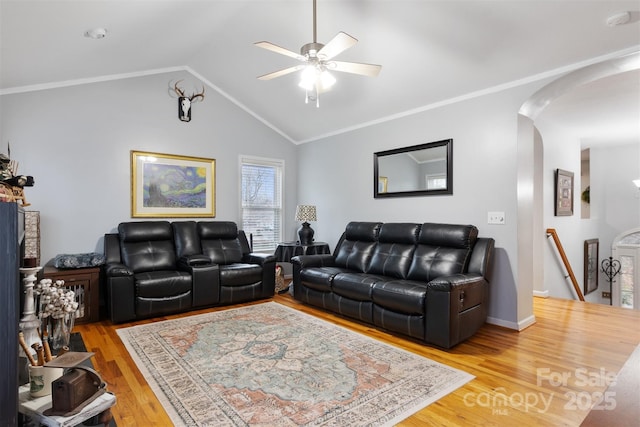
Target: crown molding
(121, 76)
(89, 80)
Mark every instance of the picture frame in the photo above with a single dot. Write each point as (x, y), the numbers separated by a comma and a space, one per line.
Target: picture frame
(169, 185)
(563, 193)
(591, 248)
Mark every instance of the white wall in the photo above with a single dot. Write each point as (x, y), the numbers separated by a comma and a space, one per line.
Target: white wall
(337, 173)
(76, 142)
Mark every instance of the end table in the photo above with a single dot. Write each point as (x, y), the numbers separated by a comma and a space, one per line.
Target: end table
(287, 250)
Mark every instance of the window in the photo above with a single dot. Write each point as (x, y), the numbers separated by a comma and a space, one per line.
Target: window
(261, 183)
(436, 182)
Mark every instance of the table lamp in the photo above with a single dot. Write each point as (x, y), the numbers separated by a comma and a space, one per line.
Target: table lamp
(305, 213)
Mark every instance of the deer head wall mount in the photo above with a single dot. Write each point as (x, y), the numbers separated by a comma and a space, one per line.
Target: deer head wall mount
(184, 102)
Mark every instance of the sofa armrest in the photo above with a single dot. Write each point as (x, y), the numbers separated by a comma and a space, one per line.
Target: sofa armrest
(455, 282)
(258, 258)
(456, 307)
(308, 261)
(117, 270)
(120, 290)
(193, 261)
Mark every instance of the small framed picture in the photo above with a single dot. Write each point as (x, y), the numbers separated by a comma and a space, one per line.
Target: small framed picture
(167, 185)
(563, 193)
(590, 265)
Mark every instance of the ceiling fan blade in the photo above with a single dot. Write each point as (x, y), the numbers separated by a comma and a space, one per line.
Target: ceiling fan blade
(281, 50)
(340, 43)
(281, 72)
(370, 70)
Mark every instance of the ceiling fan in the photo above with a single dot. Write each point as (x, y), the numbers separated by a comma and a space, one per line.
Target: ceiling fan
(317, 61)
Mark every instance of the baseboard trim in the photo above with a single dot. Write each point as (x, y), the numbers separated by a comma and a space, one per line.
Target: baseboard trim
(517, 326)
(541, 294)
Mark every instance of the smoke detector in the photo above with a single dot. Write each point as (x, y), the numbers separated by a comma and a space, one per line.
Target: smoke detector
(96, 33)
(618, 19)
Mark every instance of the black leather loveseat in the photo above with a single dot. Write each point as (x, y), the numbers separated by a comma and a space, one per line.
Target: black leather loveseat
(156, 267)
(427, 281)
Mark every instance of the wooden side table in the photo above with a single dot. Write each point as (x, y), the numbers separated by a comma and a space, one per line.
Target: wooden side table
(85, 282)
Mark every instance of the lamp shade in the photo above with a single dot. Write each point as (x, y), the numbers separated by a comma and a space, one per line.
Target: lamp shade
(306, 213)
(637, 182)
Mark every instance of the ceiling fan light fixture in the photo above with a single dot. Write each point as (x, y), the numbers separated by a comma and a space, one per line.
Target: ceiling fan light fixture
(314, 77)
(317, 58)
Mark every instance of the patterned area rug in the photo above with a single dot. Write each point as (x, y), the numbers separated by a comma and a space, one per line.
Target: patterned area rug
(270, 365)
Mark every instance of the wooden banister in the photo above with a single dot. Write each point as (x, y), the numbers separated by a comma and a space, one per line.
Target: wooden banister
(552, 232)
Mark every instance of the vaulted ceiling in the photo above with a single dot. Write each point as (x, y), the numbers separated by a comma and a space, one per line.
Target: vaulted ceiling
(431, 52)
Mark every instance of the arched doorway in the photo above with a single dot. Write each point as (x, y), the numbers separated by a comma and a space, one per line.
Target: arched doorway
(530, 225)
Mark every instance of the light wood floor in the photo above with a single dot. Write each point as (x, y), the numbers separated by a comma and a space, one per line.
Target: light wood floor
(548, 374)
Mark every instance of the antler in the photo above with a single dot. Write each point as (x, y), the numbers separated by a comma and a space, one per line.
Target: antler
(197, 95)
(180, 92)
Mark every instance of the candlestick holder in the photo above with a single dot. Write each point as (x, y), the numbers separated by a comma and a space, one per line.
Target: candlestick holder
(29, 323)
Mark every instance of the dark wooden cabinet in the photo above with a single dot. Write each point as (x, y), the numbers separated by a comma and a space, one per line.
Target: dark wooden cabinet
(85, 282)
(12, 226)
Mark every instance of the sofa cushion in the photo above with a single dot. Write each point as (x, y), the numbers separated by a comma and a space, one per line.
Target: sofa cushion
(240, 274)
(443, 249)
(222, 251)
(394, 251)
(401, 296)
(147, 246)
(219, 241)
(363, 231)
(391, 259)
(356, 248)
(210, 230)
(355, 256)
(320, 278)
(451, 235)
(162, 284)
(405, 233)
(355, 286)
(149, 256)
(431, 262)
(143, 231)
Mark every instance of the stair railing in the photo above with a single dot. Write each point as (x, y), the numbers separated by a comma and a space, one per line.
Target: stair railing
(551, 232)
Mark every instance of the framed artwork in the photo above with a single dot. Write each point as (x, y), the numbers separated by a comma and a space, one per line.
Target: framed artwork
(563, 193)
(167, 185)
(590, 265)
(382, 184)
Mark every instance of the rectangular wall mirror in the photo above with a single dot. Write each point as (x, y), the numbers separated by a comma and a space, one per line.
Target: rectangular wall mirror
(419, 170)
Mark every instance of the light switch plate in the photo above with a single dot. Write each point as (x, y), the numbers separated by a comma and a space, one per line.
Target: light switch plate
(496, 218)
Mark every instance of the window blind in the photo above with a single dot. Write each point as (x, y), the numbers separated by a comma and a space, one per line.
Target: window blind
(261, 185)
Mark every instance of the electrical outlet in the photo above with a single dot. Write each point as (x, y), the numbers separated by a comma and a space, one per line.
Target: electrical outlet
(606, 294)
(496, 218)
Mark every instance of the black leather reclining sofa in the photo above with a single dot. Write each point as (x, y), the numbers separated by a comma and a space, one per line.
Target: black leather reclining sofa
(156, 267)
(427, 281)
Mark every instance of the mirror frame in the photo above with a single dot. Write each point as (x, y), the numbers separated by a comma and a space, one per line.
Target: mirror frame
(448, 143)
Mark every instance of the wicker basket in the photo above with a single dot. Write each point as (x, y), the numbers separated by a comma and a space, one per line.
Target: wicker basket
(280, 284)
